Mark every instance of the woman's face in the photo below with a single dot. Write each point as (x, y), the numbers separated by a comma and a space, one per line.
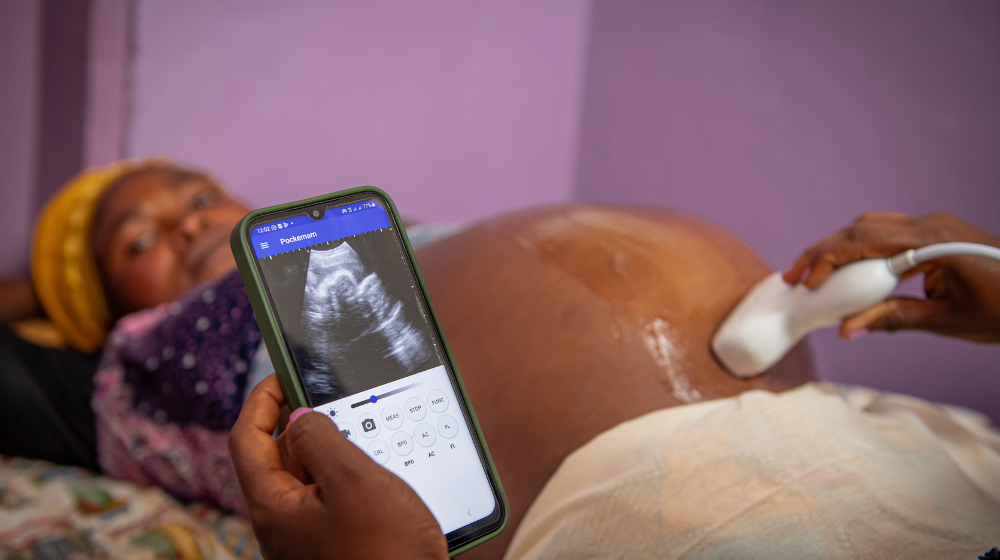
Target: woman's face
(160, 232)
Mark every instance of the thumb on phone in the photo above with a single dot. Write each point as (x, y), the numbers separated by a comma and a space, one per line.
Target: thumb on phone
(316, 445)
(894, 314)
(363, 506)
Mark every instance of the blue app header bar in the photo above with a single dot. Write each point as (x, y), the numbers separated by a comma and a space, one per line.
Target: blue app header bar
(282, 236)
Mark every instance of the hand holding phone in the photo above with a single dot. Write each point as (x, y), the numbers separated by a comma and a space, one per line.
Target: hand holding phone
(352, 335)
(339, 505)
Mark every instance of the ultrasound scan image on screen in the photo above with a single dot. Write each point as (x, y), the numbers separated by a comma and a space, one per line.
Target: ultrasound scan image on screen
(351, 314)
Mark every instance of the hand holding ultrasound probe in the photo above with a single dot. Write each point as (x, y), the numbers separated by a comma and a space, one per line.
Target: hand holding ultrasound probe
(313, 494)
(962, 292)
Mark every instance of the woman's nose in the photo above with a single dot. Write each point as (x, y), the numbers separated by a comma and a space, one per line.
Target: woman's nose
(189, 227)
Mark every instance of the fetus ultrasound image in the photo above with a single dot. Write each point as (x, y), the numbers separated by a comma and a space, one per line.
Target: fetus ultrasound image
(350, 314)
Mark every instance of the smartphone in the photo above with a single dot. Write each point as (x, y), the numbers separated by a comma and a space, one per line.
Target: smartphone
(352, 334)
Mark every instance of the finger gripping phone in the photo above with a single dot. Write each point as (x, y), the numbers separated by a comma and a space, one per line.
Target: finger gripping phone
(351, 333)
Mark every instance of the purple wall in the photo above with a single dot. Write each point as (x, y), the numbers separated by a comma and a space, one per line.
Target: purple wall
(61, 114)
(459, 110)
(779, 120)
(62, 104)
(107, 65)
(784, 120)
(19, 55)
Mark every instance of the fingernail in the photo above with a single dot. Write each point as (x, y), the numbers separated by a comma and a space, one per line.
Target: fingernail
(298, 412)
(805, 274)
(857, 333)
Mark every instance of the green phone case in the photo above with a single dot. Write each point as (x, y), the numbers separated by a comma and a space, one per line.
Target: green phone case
(282, 361)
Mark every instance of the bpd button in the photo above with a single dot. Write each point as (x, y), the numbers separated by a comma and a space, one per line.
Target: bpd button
(402, 443)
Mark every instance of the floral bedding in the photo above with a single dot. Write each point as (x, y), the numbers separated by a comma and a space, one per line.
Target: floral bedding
(51, 512)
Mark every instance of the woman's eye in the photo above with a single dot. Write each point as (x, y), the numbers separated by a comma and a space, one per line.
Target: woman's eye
(203, 200)
(143, 242)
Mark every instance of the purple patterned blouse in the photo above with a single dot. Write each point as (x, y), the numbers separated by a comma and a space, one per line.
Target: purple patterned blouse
(169, 388)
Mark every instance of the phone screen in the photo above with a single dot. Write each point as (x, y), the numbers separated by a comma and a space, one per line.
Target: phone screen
(368, 353)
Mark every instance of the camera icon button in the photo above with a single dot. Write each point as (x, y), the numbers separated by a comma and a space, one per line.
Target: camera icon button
(368, 426)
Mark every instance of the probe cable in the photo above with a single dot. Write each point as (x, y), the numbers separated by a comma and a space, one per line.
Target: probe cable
(911, 258)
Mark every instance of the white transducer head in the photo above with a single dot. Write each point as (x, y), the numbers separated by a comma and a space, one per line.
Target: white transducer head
(774, 316)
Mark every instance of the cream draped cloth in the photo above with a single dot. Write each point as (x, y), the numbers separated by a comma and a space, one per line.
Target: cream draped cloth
(820, 471)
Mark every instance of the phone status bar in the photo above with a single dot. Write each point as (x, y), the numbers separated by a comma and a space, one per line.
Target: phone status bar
(297, 232)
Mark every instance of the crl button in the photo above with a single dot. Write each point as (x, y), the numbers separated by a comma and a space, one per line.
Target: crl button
(379, 451)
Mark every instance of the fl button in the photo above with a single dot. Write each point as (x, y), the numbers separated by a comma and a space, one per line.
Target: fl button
(448, 426)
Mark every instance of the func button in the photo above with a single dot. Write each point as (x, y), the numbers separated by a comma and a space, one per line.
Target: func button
(402, 443)
(379, 451)
(437, 400)
(392, 417)
(415, 409)
(424, 434)
(448, 426)
(368, 426)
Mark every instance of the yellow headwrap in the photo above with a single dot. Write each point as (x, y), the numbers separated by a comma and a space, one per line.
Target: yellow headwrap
(63, 268)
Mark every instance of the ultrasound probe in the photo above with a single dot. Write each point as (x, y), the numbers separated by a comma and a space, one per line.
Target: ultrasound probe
(774, 315)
